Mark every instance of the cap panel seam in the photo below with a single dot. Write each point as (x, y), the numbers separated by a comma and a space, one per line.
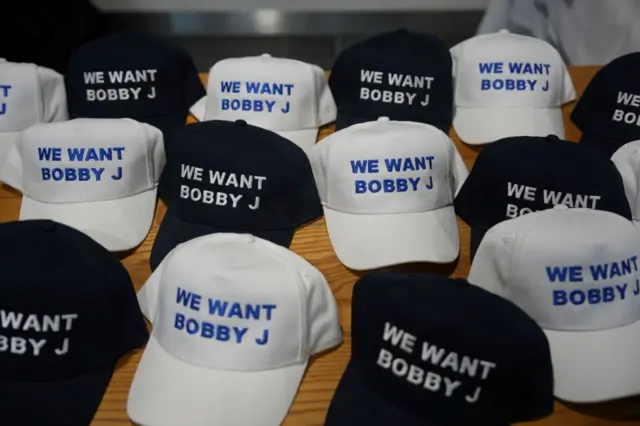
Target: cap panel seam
(449, 147)
(142, 131)
(316, 97)
(518, 248)
(303, 340)
(38, 94)
(325, 163)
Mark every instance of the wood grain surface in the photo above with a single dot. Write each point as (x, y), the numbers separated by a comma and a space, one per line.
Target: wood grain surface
(312, 242)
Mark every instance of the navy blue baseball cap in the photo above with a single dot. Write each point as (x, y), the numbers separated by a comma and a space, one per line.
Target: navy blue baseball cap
(430, 350)
(226, 176)
(519, 175)
(608, 112)
(133, 75)
(68, 312)
(404, 75)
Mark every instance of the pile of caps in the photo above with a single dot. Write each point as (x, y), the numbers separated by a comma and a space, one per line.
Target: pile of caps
(549, 307)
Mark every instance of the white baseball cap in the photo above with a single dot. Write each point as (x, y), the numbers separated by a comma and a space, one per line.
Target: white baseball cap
(575, 272)
(29, 94)
(97, 175)
(387, 189)
(235, 320)
(289, 97)
(508, 85)
(627, 161)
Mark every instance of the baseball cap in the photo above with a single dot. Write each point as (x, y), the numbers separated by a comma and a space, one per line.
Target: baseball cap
(508, 85)
(627, 161)
(519, 175)
(133, 75)
(431, 350)
(387, 190)
(608, 111)
(228, 176)
(99, 176)
(29, 94)
(69, 312)
(404, 75)
(574, 271)
(289, 97)
(235, 320)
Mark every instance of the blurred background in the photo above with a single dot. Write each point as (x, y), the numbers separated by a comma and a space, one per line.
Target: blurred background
(586, 32)
(310, 30)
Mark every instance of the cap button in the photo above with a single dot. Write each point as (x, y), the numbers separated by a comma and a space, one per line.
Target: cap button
(561, 207)
(383, 118)
(503, 31)
(265, 55)
(47, 225)
(553, 137)
(246, 238)
(241, 123)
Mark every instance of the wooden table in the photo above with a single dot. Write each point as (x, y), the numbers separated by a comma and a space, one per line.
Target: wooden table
(312, 242)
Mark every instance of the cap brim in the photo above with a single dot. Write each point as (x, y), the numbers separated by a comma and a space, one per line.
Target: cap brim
(117, 225)
(601, 144)
(167, 391)
(174, 231)
(595, 366)
(72, 401)
(304, 138)
(478, 126)
(354, 403)
(368, 241)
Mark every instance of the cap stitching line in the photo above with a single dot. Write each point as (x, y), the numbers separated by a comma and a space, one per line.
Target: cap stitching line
(518, 248)
(316, 100)
(449, 147)
(39, 95)
(304, 323)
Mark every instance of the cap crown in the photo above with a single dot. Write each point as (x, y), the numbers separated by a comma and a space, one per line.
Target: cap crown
(237, 176)
(274, 93)
(610, 103)
(85, 160)
(387, 167)
(509, 70)
(563, 277)
(236, 302)
(383, 76)
(449, 352)
(127, 75)
(68, 306)
(20, 97)
(520, 175)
